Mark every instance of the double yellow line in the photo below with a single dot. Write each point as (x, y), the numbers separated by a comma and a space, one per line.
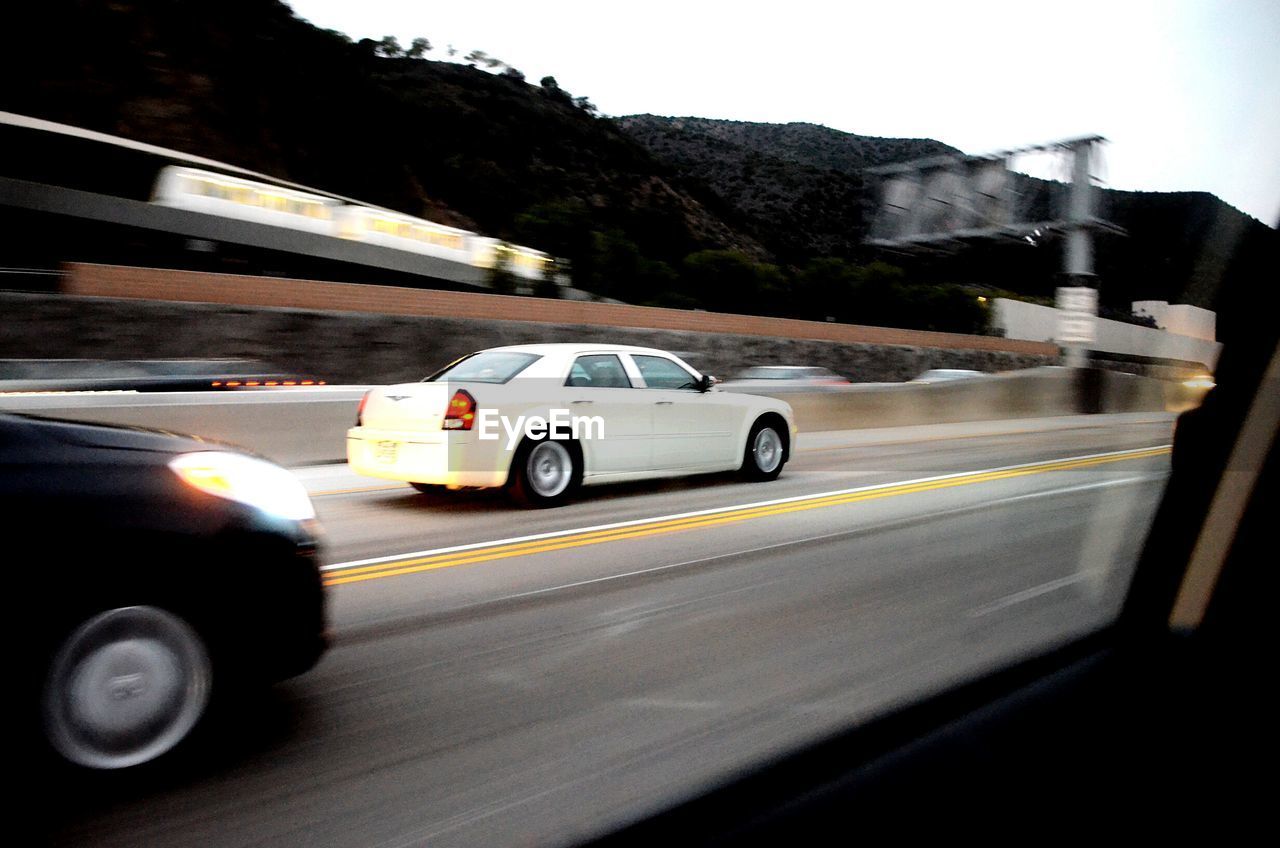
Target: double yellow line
(340, 575)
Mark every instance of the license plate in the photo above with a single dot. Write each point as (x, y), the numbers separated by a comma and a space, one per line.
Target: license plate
(385, 452)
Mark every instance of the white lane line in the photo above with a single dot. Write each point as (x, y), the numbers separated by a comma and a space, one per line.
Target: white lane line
(673, 704)
(1044, 588)
(355, 563)
(1027, 594)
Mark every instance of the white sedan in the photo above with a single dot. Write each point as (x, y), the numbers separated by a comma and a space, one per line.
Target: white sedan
(543, 419)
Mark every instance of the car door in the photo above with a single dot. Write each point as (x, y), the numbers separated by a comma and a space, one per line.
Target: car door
(597, 386)
(691, 428)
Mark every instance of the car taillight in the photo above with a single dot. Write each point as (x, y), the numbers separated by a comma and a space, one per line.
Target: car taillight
(461, 413)
(360, 409)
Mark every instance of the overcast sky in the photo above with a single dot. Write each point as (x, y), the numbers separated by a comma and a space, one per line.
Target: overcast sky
(1187, 92)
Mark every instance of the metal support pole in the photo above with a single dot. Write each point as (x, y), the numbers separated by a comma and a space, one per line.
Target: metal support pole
(1079, 259)
(1079, 249)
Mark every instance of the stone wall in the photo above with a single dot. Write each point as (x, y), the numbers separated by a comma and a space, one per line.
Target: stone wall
(240, 290)
(371, 347)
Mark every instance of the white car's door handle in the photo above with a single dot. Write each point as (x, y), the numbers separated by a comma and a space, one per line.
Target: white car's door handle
(663, 402)
(581, 401)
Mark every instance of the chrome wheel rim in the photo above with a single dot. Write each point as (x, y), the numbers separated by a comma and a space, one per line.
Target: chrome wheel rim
(126, 686)
(549, 469)
(767, 450)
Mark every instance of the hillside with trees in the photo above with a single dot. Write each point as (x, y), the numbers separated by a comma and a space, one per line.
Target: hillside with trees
(467, 141)
(685, 212)
(799, 187)
(801, 191)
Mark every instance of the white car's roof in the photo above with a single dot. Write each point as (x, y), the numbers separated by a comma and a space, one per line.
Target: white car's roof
(569, 349)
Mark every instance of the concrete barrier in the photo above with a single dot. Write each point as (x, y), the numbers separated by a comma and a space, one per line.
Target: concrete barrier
(306, 426)
(289, 426)
(1033, 394)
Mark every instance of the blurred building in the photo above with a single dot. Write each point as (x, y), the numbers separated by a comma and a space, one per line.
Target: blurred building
(1180, 318)
(1033, 322)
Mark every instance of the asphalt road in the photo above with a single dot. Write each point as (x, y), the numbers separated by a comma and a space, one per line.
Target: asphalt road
(512, 677)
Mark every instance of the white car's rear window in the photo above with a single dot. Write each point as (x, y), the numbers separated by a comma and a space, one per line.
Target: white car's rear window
(495, 366)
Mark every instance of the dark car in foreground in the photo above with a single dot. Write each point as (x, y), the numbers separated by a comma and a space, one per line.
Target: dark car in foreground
(149, 570)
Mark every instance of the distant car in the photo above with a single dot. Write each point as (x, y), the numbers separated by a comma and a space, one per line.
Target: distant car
(657, 417)
(149, 570)
(775, 376)
(942, 375)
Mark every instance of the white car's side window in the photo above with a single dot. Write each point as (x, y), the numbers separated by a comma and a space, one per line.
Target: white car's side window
(661, 373)
(598, 371)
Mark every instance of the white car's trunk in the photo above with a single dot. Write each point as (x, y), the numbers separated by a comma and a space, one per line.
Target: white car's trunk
(407, 407)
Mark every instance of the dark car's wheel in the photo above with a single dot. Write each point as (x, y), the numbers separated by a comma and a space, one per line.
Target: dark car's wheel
(765, 453)
(125, 687)
(545, 472)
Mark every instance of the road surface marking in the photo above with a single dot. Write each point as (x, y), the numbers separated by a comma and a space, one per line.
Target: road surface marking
(359, 489)
(946, 513)
(1028, 594)
(959, 436)
(411, 563)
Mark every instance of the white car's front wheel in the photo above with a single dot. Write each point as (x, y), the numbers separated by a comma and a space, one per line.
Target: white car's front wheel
(765, 453)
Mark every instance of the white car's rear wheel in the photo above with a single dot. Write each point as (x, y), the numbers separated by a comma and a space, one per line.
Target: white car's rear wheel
(546, 472)
(126, 686)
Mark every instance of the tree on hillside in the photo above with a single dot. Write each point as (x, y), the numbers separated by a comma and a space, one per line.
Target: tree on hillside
(417, 48)
(390, 47)
(882, 295)
(729, 281)
(552, 89)
(513, 73)
(824, 289)
(560, 227)
(879, 297)
(604, 259)
(476, 57)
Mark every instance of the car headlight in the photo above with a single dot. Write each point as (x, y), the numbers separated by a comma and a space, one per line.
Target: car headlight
(240, 478)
